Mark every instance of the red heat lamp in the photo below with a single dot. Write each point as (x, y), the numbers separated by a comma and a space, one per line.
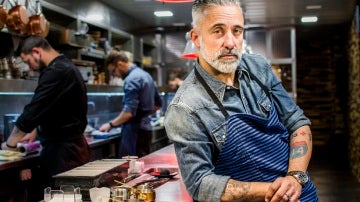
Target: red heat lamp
(190, 56)
(190, 51)
(175, 1)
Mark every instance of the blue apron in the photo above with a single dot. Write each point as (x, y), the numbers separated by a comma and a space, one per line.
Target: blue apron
(256, 149)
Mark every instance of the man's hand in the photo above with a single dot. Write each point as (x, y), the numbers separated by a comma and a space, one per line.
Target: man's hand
(29, 137)
(284, 189)
(105, 127)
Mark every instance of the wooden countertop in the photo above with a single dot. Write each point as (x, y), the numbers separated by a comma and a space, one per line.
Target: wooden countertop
(173, 190)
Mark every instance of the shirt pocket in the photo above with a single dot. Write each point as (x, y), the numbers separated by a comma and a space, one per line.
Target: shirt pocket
(264, 103)
(218, 134)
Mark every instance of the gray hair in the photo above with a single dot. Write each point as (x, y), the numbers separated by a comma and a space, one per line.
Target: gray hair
(200, 6)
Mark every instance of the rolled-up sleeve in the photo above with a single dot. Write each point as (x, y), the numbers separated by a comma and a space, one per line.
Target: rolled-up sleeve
(194, 150)
(132, 95)
(290, 114)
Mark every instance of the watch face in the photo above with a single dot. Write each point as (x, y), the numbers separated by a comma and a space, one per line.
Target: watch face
(303, 178)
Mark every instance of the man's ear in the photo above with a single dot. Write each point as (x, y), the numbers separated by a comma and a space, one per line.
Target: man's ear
(194, 38)
(120, 64)
(36, 50)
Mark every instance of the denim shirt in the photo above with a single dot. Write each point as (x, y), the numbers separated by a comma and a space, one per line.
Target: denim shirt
(197, 127)
(140, 96)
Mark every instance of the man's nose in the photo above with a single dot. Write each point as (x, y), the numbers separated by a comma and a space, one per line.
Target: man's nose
(229, 41)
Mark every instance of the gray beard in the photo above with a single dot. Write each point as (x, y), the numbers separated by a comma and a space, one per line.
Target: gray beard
(218, 64)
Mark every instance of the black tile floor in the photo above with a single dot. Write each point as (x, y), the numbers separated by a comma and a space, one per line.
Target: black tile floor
(330, 172)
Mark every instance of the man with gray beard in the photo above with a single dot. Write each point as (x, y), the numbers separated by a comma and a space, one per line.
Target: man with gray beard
(237, 134)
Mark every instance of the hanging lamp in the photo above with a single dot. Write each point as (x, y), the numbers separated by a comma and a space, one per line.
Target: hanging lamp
(190, 51)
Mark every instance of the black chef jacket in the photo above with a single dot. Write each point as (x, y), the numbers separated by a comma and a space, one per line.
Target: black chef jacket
(58, 110)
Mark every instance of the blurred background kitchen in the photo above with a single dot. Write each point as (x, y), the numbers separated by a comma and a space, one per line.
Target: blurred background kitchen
(313, 47)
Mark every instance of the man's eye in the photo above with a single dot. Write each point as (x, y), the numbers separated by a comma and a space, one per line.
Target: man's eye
(218, 31)
(238, 31)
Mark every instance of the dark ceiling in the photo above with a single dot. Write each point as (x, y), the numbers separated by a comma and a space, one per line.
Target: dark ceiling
(257, 12)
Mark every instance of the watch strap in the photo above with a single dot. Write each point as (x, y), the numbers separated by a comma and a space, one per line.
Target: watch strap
(111, 124)
(300, 176)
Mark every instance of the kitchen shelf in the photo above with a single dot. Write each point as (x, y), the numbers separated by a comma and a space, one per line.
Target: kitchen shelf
(58, 15)
(93, 53)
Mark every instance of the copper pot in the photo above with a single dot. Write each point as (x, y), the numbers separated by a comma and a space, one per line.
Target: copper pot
(17, 18)
(3, 15)
(38, 25)
(47, 29)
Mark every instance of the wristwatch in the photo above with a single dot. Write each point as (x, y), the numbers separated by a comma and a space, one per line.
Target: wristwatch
(300, 176)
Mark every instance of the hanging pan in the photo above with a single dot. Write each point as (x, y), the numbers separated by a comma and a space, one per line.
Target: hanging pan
(3, 15)
(38, 25)
(17, 18)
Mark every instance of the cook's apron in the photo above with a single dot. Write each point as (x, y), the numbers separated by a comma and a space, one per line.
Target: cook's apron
(135, 140)
(256, 149)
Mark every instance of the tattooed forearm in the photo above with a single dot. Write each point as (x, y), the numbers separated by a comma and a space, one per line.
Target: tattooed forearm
(235, 189)
(298, 149)
(16, 132)
(240, 191)
(301, 133)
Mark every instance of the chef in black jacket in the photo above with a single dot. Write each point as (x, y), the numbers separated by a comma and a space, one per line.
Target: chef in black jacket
(57, 110)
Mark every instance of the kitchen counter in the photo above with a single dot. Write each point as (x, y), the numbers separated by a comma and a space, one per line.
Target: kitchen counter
(29, 160)
(32, 159)
(174, 189)
(103, 148)
(166, 189)
(12, 188)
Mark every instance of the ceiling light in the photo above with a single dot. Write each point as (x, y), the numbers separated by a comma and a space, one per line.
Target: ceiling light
(179, 24)
(313, 7)
(163, 13)
(307, 19)
(95, 17)
(175, 1)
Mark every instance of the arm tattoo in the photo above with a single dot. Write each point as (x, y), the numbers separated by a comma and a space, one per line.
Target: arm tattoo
(234, 188)
(302, 133)
(17, 132)
(298, 149)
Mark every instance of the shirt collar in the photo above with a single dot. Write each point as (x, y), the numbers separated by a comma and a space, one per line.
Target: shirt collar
(216, 85)
(130, 69)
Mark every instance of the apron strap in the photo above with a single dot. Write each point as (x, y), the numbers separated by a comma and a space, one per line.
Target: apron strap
(216, 99)
(265, 89)
(211, 93)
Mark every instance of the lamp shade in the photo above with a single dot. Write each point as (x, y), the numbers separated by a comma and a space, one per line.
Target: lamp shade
(190, 51)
